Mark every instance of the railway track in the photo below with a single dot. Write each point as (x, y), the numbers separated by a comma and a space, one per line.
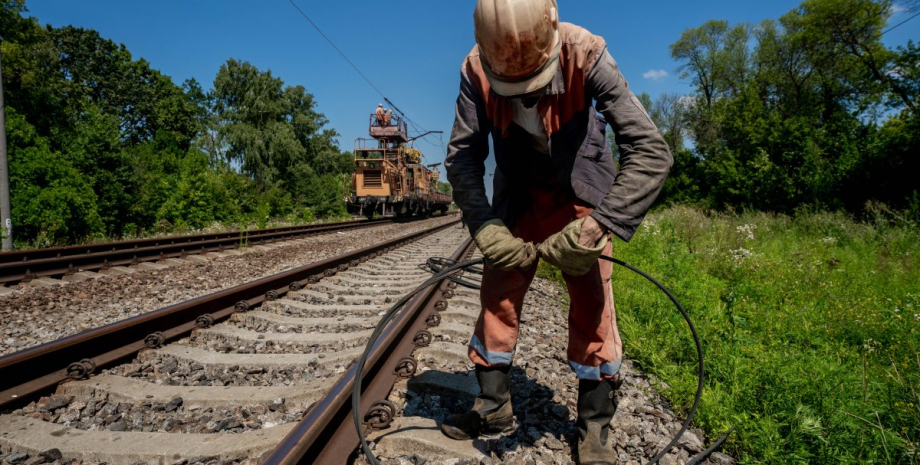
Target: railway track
(224, 377)
(45, 266)
(263, 373)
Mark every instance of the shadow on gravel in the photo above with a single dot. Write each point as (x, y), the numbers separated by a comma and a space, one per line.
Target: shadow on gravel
(542, 422)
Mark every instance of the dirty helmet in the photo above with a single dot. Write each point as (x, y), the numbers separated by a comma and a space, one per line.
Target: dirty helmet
(518, 43)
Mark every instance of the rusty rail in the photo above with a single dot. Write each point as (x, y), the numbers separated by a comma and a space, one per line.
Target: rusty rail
(61, 261)
(327, 434)
(35, 370)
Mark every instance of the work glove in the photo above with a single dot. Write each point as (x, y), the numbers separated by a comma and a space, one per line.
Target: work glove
(501, 249)
(563, 250)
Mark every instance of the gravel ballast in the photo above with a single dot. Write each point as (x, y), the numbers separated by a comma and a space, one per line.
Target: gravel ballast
(544, 395)
(33, 316)
(543, 386)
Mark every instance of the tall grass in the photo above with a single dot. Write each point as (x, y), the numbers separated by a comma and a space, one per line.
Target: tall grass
(810, 325)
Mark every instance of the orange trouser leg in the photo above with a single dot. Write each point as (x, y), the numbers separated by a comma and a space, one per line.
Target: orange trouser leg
(595, 349)
(502, 298)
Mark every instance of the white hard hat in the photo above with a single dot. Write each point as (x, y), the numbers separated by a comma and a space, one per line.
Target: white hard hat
(518, 43)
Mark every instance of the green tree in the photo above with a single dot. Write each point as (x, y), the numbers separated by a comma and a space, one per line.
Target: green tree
(156, 170)
(714, 58)
(102, 72)
(32, 83)
(104, 144)
(444, 188)
(798, 115)
(94, 148)
(848, 33)
(275, 136)
(11, 21)
(670, 112)
(907, 64)
(200, 196)
(52, 203)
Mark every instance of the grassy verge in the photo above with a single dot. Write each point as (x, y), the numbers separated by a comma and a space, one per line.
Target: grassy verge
(810, 325)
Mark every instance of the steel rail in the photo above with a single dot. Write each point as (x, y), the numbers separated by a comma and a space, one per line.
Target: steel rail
(54, 252)
(31, 264)
(35, 370)
(61, 261)
(327, 434)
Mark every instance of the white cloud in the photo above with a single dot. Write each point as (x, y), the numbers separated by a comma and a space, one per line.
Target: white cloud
(655, 74)
(896, 8)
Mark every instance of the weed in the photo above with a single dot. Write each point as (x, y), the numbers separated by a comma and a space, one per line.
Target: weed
(810, 325)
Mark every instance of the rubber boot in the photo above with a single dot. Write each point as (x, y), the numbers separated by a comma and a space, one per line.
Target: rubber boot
(597, 403)
(491, 411)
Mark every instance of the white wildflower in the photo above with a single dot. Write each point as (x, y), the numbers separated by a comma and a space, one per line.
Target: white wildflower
(870, 345)
(746, 230)
(740, 254)
(829, 240)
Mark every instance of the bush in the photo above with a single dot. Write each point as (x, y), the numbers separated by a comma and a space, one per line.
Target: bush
(196, 200)
(307, 215)
(51, 201)
(278, 201)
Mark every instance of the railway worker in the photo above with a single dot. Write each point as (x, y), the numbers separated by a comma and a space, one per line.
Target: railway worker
(533, 84)
(381, 115)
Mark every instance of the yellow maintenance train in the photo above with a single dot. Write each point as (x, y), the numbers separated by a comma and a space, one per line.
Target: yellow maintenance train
(389, 178)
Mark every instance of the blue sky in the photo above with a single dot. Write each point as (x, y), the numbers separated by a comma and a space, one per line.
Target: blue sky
(411, 50)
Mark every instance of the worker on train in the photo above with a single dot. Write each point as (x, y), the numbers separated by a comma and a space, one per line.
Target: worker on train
(381, 115)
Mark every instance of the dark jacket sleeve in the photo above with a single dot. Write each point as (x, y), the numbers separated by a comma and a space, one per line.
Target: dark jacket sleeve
(466, 155)
(644, 155)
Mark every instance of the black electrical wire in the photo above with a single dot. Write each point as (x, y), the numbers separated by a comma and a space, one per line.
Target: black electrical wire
(357, 70)
(445, 268)
(702, 455)
(899, 24)
(699, 354)
(384, 322)
(320, 31)
(437, 264)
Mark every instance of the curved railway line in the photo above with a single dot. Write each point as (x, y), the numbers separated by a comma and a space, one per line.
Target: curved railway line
(74, 262)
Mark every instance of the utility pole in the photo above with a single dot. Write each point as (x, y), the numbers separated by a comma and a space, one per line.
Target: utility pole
(6, 222)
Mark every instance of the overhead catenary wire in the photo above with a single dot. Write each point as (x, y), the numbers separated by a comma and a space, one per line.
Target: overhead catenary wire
(416, 126)
(320, 31)
(901, 23)
(358, 70)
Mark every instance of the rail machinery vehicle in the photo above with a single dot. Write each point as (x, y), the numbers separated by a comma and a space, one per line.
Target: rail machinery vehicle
(389, 178)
